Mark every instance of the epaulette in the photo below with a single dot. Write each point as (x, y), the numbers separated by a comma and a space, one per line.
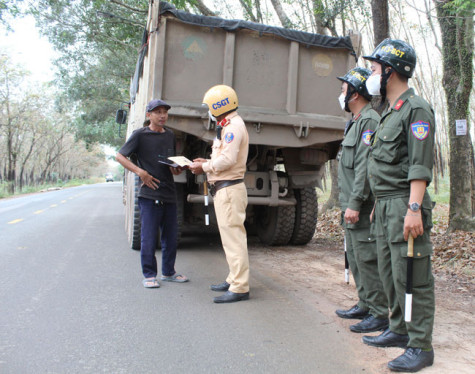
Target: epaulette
(224, 122)
(399, 104)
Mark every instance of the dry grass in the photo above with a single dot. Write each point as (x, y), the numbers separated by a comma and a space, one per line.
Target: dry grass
(453, 258)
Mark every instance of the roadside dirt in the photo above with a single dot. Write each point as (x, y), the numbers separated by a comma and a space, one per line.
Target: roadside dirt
(316, 274)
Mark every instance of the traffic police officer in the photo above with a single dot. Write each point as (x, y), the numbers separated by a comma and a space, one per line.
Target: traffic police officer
(400, 168)
(357, 202)
(225, 171)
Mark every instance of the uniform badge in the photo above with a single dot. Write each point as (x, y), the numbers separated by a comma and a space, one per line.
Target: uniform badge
(420, 130)
(366, 137)
(229, 137)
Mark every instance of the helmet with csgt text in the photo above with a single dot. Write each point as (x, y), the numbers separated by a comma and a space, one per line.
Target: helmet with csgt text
(220, 99)
(397, 54)
(357, 78)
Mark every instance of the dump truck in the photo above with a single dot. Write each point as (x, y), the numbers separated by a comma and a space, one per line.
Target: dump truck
(287, 89)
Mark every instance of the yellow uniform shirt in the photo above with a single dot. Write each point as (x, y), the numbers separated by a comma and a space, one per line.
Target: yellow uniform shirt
(229, 155)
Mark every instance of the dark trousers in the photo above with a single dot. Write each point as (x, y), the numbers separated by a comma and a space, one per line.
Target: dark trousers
(157, 217)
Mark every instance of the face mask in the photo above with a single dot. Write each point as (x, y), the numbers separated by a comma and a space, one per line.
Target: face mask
(213, 118)
(373, 84)
(341, 100)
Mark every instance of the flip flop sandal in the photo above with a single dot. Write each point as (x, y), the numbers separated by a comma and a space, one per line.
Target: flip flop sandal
(151, 283)
(174, 278)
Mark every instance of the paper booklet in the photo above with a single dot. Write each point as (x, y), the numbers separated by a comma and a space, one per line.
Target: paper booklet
(177, 161)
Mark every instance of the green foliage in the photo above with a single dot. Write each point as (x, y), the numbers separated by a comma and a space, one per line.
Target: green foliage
(98, 42)
(461, 7)
(443, 193)
(44, 186)
(9, 8)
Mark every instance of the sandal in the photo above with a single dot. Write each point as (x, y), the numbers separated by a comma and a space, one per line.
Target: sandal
(174, 278)
(151, 283)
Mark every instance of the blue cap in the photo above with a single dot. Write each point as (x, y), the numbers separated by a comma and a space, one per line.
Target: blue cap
(154, 104)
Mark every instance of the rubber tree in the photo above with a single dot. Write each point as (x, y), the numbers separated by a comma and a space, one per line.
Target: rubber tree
(380, 13)
(456, 25)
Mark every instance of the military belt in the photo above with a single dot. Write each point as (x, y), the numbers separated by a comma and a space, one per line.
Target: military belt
(216, 186)
(394, 195)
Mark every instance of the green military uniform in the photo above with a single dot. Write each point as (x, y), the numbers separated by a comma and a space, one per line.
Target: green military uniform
(355, 194)
(402, 151)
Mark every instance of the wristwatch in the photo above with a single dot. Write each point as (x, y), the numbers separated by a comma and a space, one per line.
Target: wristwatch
(414, 206)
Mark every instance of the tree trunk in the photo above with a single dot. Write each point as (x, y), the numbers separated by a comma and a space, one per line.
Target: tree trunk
(11, 159)
(333, 200)
(380, 12)
(203, 8)
(472, 156)
(284, 20)
(457, 52)
(248, 10)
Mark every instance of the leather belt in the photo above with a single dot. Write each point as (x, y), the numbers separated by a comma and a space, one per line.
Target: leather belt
(216, 186)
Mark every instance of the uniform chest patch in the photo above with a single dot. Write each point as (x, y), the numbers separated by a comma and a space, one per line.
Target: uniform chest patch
(366, 137)
(229, 137)
(420, 130)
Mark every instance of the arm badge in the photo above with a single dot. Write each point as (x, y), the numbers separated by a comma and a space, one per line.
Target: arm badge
(229, 137)
(420, 130)
(366, 137)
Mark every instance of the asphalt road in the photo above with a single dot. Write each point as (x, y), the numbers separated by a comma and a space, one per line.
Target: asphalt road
(72, 301)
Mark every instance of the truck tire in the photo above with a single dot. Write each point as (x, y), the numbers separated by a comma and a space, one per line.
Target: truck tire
(275, 224)
(306, 212)
(134, 219)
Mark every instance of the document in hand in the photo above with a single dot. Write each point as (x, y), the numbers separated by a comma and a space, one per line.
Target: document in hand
(177, 161)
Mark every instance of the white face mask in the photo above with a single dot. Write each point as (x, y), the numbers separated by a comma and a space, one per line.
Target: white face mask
(341, 100)
(213, 118)
(373, 84)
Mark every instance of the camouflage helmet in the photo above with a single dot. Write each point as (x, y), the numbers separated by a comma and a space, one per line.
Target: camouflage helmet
(357, 77)
(397, 54)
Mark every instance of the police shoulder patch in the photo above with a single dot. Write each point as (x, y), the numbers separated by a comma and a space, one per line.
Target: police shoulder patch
(420, 130)
(366, 137)
(229, 137)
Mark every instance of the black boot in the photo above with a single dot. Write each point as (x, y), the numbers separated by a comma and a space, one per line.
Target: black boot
(370, 324)
(387, 339)
(355, 312)
(414, 359)
(231, 297)
(220, 287)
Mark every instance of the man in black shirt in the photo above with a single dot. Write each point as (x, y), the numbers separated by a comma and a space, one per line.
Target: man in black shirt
(157, 195)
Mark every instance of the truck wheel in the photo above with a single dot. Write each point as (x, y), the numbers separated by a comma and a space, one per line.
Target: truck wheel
(306, 212)
(275, 224)
(134, 219)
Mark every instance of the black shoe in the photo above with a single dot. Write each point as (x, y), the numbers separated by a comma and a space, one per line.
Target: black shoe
(231, 297)
(414, 359)
(220, 287)
(387, 339)
(370, 324)
(354, 312)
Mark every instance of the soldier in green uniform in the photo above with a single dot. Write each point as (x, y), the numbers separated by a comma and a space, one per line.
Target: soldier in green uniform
(399, 170)
(357, 201)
